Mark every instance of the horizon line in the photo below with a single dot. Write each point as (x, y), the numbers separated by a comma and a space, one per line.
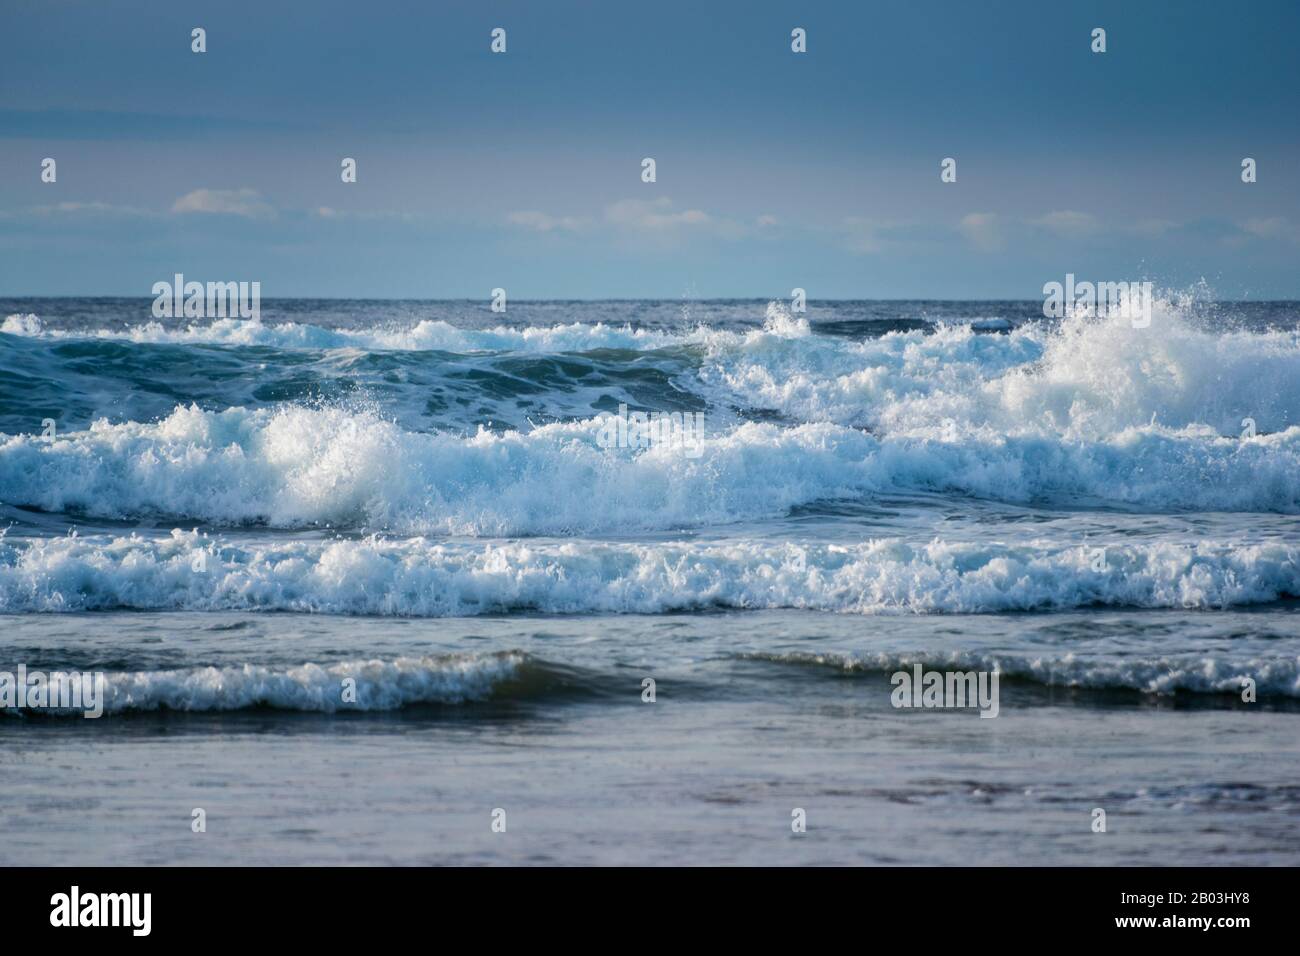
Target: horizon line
(368, 298)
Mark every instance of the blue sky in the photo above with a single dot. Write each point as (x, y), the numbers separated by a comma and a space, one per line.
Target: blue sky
(774, 169)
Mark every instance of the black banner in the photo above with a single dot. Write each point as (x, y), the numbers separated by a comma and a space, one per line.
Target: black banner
(302, 905)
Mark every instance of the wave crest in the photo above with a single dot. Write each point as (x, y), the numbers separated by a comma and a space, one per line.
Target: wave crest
(416, 577)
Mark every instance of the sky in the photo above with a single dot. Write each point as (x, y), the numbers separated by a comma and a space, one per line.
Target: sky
(774, 169)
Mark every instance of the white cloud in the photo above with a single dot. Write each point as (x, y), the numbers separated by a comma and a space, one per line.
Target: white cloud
(1153, 228)
(368, 215)
(541, 222)
(1275, 227)
(234, 202)
(1068, 223)
(864, 234)
(982, 230)
(653, 215)
(93, 208)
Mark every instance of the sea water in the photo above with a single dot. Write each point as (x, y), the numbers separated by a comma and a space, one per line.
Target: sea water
(233, 519)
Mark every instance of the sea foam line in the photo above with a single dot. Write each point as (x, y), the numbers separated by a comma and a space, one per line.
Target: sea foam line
(359, 685)
(1162, 675)
(420, 578)
(295, 467)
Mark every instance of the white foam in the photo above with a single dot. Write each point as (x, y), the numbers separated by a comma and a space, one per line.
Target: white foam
(417, 577)
(294, 467)
(377, 685)
(1162, 675)
(426, 335)
(1092, 409)
(1084, 379)
(28, 325)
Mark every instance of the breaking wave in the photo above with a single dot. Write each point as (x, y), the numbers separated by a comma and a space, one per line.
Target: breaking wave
(417, 577)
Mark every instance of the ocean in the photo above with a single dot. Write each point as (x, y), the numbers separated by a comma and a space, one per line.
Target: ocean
(631, 582)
